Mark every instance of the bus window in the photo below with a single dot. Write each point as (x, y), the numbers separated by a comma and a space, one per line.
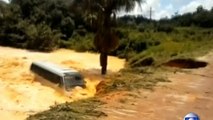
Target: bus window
(72, 80)
(68, 82)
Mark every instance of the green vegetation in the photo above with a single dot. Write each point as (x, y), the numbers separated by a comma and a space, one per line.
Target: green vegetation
(36, 24)
(80, 110)
(132, 80)
(180, 43)
(86, 43)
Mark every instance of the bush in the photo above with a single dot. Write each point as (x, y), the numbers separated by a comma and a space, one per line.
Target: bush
(13, 34)
(26, 35)
(165, 28)
(41, 37)
(80, 43)
(134, 42)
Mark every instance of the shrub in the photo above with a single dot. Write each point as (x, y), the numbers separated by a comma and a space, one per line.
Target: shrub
(165, 28)
(81, 43)
(41, 37)
(26, 35)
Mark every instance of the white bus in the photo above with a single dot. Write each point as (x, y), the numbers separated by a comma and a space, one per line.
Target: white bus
(56, 76)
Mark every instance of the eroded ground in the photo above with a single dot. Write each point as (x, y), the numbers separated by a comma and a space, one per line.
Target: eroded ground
(189, 91)
(21, 95)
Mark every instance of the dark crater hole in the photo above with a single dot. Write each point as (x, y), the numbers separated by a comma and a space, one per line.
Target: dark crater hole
(186, 63)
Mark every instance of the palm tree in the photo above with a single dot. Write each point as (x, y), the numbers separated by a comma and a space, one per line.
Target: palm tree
(101, 14)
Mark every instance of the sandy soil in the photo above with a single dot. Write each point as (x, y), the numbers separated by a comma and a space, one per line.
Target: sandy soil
(189, 91)
(21, 95)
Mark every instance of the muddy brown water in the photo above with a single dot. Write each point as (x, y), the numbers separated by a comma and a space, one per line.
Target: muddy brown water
(21, 95)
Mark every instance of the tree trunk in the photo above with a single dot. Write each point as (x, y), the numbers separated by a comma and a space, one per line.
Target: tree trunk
(103, 62)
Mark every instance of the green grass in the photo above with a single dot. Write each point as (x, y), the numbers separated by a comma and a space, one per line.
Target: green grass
(183, 43)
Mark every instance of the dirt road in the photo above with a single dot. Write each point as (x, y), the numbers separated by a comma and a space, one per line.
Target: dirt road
(21, 95)
(189, 91)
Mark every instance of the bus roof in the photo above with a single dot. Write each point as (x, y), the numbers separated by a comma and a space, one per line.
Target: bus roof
(54, 68)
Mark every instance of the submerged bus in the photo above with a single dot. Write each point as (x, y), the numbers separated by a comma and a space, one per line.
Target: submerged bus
(56, 76)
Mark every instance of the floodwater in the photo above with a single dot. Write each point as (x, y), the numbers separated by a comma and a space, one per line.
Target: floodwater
(21, 95)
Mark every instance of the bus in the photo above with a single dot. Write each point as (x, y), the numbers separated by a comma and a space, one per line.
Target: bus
(57, 76)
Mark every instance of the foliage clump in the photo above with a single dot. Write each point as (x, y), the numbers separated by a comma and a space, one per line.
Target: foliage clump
(80, 110)
(130, 79)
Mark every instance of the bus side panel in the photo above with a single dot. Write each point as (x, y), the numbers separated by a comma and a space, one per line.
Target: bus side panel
(56, 79)
(46, 74)
(46, 82)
